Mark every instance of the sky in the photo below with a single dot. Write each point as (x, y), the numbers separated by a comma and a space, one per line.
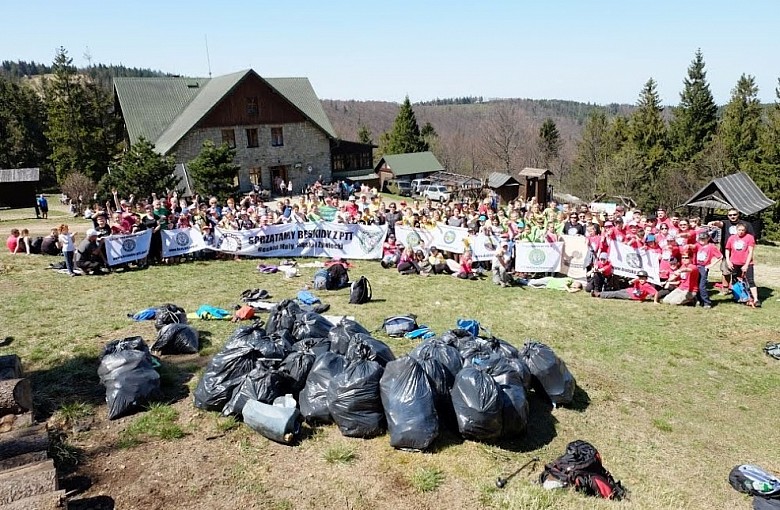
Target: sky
(598, 51)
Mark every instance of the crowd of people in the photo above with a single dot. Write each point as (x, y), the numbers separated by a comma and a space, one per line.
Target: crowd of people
(686, 247)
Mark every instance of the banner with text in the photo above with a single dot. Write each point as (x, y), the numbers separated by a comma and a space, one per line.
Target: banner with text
(628, 261)
(575, 248)
(449, 239)
(323, 239)
(181, 241)
(538, 257)
(127, 248)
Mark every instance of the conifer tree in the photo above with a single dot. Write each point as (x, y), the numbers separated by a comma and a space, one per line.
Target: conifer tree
(549, 142)
(648, 138)
(141, 171)
(405, 136)
(740, 127)
(695, 118)
(213, 171)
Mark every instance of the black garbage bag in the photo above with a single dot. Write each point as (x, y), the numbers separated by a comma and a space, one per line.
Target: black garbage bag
(244, 334)
(378, 350)
(169, 314)
(177, 339)
(316, 345)
(502, 347)
(341, 335)
(353, 397)
(474, 346)
(313, 399)
(297, 365)
(476, 399)
(130, 343)
(283, 340)
(446, 354)
(130, 380)
(514, 402)
(225, 371)
(503, 370)
(409, 405)
(311, 325)
(550, 372)
(455, 337)
(282, 316)
(263, 384)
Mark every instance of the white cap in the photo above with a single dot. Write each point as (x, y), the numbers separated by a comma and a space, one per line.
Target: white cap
(92, 232)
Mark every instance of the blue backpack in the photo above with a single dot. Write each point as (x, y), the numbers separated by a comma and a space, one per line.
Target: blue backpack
(321, 279)
(470, 325)
(740, 291)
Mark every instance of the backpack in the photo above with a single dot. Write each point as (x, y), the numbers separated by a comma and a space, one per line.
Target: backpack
(321, 279)
(740, 291)
(772, 349)
(753, 480)
(337, 278)
(399, 325)
(580, 467)
(360, 292)
(470, 325)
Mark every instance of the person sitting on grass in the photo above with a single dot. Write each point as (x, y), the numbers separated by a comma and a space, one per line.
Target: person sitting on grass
(688, 274)
(406, 262)
(502, 265)
(391, 252)
(49, 245)
(671, 283)
(23, 244)
(600, 273)
(465, 271)
(89, 257)
(639, 289)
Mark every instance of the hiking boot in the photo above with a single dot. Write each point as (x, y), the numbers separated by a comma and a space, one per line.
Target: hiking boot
(757, 304)
(707, 307)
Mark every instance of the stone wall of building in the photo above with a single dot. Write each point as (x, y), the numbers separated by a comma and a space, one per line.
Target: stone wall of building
(305, 146)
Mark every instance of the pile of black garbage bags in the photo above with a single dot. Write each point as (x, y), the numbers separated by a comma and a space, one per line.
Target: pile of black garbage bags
(341, 374)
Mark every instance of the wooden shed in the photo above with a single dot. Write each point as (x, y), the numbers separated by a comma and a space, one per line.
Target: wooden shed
(505, 186)
(18, 186)
(536, 183)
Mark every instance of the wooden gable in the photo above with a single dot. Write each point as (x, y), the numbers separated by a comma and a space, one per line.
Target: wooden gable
(238, 107)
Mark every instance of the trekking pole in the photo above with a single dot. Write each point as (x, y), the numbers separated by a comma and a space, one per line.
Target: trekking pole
(501, 482)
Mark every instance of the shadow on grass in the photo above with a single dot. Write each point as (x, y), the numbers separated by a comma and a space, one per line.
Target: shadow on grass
(765, 293)
(541, 426)
(204, 337)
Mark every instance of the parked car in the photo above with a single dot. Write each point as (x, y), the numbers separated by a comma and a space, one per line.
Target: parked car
(397, 187)
(437, 192)
(419, 185)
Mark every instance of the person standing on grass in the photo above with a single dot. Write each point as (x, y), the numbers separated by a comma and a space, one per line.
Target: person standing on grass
(707, 256)
(739, 258)
(43, 205)
(728, 228)
(66, 241)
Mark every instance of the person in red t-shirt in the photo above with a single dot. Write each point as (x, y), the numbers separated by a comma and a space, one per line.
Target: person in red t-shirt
(600, 274)
(639, 289)
(707, 256)
(633, 238)
(688, 286)
(739, 258)
(668, 252)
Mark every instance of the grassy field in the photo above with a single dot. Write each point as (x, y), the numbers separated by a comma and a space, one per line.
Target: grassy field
(672, 397)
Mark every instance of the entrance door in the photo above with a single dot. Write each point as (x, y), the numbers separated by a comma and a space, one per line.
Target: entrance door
(278, 174)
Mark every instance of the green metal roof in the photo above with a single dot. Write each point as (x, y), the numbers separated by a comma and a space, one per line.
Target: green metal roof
(163, 110)
(411, 163)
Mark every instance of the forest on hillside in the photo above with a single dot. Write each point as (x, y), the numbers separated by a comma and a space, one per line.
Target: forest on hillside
(657, 155)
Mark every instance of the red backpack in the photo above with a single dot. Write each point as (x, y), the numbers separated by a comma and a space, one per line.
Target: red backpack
(580, 467)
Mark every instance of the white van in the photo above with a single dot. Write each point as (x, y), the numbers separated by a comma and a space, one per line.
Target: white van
(419, 185)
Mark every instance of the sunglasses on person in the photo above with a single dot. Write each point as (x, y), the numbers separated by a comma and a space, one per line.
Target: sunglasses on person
(733, 215)
(664, 228)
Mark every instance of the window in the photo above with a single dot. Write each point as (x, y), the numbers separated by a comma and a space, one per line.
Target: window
(255, 177)
(252, 107)
(277, 137)
(229, 137)
(251, 138)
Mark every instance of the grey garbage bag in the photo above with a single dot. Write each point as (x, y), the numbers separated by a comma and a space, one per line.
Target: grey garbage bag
(476, 399)
(408, 402)
(313, 398)
(130, 380)
(177, 339)
(550, 372)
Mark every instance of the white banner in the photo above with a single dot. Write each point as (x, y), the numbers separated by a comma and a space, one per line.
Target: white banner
(575, 248)
(126, 248)
(538, 257)
(599, 207)
(181, 241)
(628, 261)
(323, 239)
(414, 237)
(449, 239)
(483, 247)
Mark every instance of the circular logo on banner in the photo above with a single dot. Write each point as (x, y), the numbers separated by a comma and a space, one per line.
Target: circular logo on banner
(413, 239)
(229, 242)
(183, 239)
(449, 237)
(634, 260)
(537, 257)
(128, 245)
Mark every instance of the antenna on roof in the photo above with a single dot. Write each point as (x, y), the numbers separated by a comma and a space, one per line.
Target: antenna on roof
(208, 59)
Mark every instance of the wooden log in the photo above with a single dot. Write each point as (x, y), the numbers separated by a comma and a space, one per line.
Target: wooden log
(15, 396)
(29, 480)
(10, 367)
(21, 460)
(15, 421)
(47, 501)
(26, 440)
